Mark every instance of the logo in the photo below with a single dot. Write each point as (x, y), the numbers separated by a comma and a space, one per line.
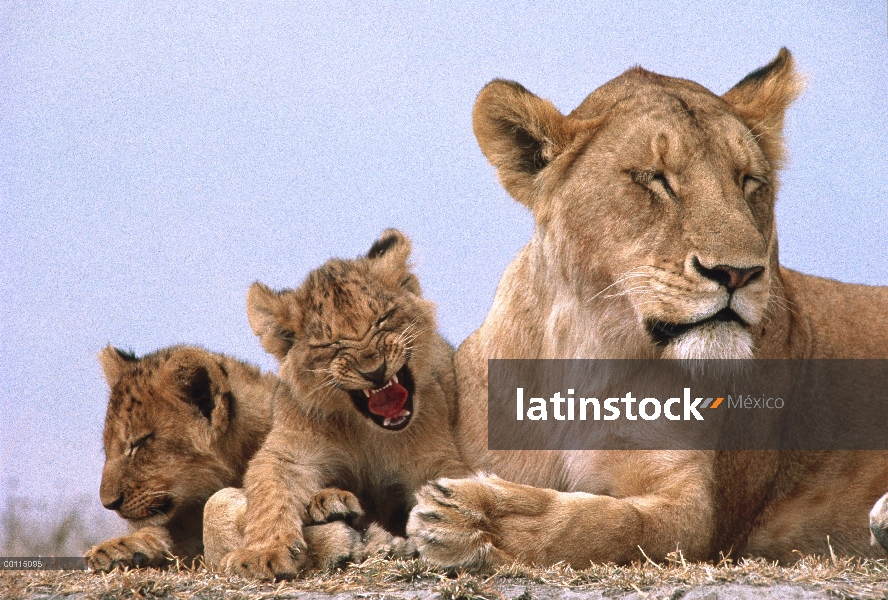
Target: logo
(648, 409)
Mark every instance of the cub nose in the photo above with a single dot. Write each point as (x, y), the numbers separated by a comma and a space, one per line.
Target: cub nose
(376, 377)
(729, 276)
(112, 504)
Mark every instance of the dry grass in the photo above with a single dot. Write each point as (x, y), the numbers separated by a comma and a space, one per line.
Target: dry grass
(842, 578)
(28, 529)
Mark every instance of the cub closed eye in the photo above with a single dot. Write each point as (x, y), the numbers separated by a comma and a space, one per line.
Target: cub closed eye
(385, 317)
(142, 441)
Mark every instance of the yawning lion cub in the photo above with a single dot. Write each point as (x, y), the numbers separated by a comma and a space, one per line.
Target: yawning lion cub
(367, 403)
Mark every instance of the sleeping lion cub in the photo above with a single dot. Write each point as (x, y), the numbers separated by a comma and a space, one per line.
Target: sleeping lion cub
(181, 424)
(367, 404)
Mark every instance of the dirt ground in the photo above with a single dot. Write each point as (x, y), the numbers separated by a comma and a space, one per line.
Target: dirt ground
(811, 578)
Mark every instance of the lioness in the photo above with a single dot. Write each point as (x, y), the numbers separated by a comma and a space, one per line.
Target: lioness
(369, 404)
(181, 424)
(655, 237)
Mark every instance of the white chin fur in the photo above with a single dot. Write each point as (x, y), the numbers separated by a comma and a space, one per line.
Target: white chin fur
(712, 341)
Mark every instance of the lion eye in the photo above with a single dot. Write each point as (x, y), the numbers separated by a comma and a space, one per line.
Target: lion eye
(334, 345)
(385, 317)
(660, 179)
(142, 441)
(654, 181)
(750, 183)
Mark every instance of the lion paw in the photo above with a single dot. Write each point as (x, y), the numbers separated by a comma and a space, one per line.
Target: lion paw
(377, 542)
(136, 550)
(879, 523)
(266, 563)
(453, 525)
(332, 504)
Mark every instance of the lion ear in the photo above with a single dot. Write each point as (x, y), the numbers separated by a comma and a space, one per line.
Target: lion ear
(199, 380)
(114, 362)
(761, 99)
(271, 315)
(520, 134)
(388, 256)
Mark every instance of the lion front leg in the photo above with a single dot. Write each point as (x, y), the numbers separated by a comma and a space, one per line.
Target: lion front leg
(484, 522)
(280, 483)
(146, 547)
(327, 544)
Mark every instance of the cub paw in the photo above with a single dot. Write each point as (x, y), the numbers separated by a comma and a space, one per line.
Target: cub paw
(453, 523)
(331, 545)
(879, 523)
(332, 504)
(265, 563)
(134, 551)
(376, 541)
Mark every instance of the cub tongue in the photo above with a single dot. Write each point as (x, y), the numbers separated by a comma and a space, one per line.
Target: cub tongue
(388, 402)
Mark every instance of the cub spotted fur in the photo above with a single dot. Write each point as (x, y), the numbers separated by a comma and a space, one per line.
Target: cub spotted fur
(655, 238)
(367, 403)
(181, 424)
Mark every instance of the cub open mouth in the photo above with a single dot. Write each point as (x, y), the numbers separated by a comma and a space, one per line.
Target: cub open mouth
(663, 333)
(390, 406)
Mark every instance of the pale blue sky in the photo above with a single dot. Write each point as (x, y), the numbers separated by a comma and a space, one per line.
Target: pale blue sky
(157, 158)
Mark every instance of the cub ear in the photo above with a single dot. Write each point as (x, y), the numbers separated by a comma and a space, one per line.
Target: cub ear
(199, 380)
(114, 362)
(761, 99)
(520, 134)
(271, 315)
(389, 255)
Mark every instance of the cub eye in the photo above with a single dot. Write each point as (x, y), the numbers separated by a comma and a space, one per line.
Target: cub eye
(325, 345)
(142, 441)
(385, 317)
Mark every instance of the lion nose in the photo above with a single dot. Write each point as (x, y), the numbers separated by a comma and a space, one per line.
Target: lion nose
(729, 276)
(112, 504)
(377, 377)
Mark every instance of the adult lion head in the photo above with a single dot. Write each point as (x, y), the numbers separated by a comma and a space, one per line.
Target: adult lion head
(654, 203)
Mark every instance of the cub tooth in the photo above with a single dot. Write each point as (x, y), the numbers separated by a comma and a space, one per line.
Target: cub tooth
(367, 393)
(395, 378)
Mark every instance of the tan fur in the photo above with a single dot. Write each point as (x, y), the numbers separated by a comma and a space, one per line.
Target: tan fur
(181, 424)
(328, 544)
(654, 204)
(351, 326)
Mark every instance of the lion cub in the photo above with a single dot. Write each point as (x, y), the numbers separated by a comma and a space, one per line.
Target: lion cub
(370, 403)
(181, 424)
